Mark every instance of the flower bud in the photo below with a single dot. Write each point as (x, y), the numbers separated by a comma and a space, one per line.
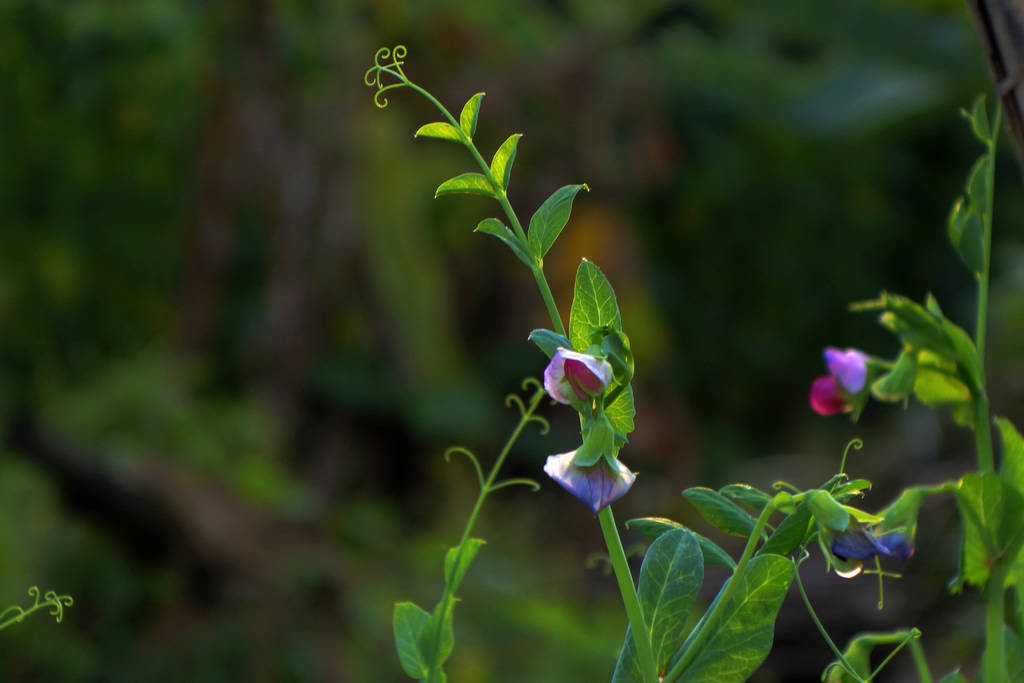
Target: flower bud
(571, 377)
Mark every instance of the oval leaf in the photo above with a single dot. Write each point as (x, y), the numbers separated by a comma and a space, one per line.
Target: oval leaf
(501, 164)
(439, 130)
(720, 511)
(467, 183)
(593, 306)
(748, 495)
(897, 384)
(410, 623)
(549, 220)
(470, 112)
(549, 341)
(621, 411)
(791, 533)
(492, 226)
(456, 563)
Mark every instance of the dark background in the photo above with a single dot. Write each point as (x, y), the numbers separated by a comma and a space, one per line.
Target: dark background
(237, 332)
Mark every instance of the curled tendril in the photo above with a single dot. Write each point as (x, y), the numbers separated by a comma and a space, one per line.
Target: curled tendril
(56, 604)
(513, 399)
(854, 444)
(386, 61)
(532, 382)
(526, 413)
(534, 486)
(462, 450)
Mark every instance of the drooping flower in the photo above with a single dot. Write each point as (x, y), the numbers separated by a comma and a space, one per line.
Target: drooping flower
(858, 543)
(848, 373)
(596, 485)
(571, 377)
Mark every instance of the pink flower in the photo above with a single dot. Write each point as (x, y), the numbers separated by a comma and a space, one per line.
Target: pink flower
(597, 485)
(571, 377)
(848, 374)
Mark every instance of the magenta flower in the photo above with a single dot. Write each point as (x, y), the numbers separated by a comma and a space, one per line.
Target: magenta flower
(848, 373)
(571, 377)
(597, 485)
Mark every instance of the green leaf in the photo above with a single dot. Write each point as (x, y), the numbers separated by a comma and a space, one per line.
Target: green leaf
(748, 495)
(549, 220)
(453, 574)
(978, 118)
(653, 527)
(470, 112)
(492, 226)
(966, 232)
(978, 189)
(671, 575)
(467, 183)
(953, 677)
(501, 163)
(992, 514)
(439, 130)
(1013, 646)
(934, 388)
(439, 636)
(410, 623)
(593, 306)
(549, 342)
(621, 412)
(791, 532)
(742, 637)
(828, 512)
(915, 325)
(967, 354)
(720, 511)
(897, 384)
(1011, 470)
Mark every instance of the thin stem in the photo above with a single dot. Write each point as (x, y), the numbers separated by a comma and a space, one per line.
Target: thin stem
(983, 434)
(549, 300)
(452, 582)
(994, 659)
(637, 624)
(910, 636)
(711, 624)
(982, 423)
(924, 674)
(821, 628)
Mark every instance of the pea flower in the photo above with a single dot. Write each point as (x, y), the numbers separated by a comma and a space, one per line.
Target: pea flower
(571, 377)
(596, 485)
(848, 374)
(857, 543)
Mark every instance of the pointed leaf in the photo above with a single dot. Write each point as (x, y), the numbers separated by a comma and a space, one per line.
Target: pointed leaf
(978, 189)
(742, 635)
(992, 514)
(549, 220)
(653, 527)
(439, 130)
(720, 511)
(967, 353)
(593, 306)
(501, 163)
(953, 677)
(791, 532)
(470, 112)
(410, 623)
(1012, 469)
(492, 226)
(549, 342)
(453, 572)
(897, 384)
(671, 575)
(621, 412)
(439, 636)
(467, 183)
(748, 495)
(978, 118)
(934, 388)
(967, 235)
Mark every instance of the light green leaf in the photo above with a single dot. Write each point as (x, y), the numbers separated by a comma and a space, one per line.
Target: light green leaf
(828, 511)
(653, 527)
(978, 118)
(934, 388)
(549, 220)
(410, 623)
(453, 573)
(915, 325)
(897, 384)
(621, 412)
(467, 183)
(967, 353)
(720, 512)
(992, 514)
(470, 112)
(967, 235)
(501, 163)
(671, 575)
(549, 342)
(742, 637)
(439, 130)
(1013, 646)
(748, 495)
(953, 677)
(439, 636)
(593, 306)
(1012, 468)
(492, 226)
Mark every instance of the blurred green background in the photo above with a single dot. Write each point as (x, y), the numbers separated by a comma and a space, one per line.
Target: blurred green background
(237, 332)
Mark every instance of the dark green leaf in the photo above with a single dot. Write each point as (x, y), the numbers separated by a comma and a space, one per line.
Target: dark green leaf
(653, 527)
(1013, 646)
(978, 189)
(439, 636)
(470, 113)
(439, 130)
(915, 325)
(1012, 469)
(748, 495)
(742, 635)
(992, 514)
(501, 163)
(791, 532)
(549, 220)
(967, 354)
(897, 384)
(410, 623)
(593, 306)
(966, 232)
(953, 677)
(549, 341)
(453, 573)
(720, 511)
(467, 183)
(492, 226)
(978, 118)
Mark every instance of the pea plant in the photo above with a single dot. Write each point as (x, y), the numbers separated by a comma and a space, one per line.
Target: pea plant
(589, 370)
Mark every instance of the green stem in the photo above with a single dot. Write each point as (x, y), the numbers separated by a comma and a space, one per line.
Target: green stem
(452, 582)
(994, 659)
(982, 423)
(711, 624)
(821, 627)
(924, 674)
(905, 637)
(983, 434)
(637, 624)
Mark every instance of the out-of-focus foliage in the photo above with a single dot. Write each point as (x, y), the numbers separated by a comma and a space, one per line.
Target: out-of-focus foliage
(226, 287)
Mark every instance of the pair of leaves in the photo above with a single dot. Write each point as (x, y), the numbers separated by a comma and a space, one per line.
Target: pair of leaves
(425, 640)
(467, 123)
(478, 183)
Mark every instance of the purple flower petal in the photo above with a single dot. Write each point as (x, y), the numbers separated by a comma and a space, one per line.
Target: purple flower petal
(597, 485)
(572, 376)
(857, 543)
(897, 544)
(825, 396)
(849, 367)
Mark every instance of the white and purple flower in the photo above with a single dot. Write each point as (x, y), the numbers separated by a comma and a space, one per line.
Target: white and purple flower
(596, 485)
(572, 377)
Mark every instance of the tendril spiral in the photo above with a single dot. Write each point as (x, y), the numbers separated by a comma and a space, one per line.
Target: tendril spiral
(386, 61)
(51, 600)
